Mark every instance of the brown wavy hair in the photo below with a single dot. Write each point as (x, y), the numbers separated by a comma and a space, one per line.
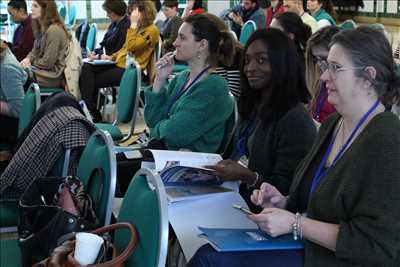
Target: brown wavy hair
(48, 17)
(147, 9)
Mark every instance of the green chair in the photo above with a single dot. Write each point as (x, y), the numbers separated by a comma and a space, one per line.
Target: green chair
(247, 29)
(145, 206)
(91, 38)
(127, 103)
(30, 105)
(97, 171)
(48, 91)
(348, 24)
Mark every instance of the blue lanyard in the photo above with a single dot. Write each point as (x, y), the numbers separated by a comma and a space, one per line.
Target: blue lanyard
(241, 143)
(320, 174)
(184, 88)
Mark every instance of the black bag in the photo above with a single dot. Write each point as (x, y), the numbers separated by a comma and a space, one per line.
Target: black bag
(43, 225)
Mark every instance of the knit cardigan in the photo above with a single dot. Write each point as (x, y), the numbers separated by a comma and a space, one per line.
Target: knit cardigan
(360, 194)
(197, 120)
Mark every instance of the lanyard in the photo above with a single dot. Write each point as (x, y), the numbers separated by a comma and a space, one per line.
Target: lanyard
(320, 174)
(184, 88)
(241, 143)
(322, 96)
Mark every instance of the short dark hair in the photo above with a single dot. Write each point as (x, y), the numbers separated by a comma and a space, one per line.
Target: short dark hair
(118, 7)
(171, 3)
(18, 4)
(197, 4)
(287, 86)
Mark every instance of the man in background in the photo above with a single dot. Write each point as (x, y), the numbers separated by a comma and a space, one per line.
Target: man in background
(22, 42)
(296, 6)
(248, 10)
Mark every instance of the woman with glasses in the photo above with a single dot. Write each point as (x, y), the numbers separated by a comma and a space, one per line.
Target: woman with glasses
(141, 40)
(316, 52)
(275, 131)
(344, 199)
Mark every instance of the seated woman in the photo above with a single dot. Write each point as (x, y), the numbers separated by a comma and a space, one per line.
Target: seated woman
(12, 80)
(192, 110)
(317, 52)
(298, 31)
(275, 131)
(348, 183)
(141, 39)
(115, 36)
(323, 11)
(46, 61)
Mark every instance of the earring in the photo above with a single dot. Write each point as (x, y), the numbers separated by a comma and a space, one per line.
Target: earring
(198, 55)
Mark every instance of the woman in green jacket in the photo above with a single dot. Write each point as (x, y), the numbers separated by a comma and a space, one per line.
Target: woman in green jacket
(323, 12)
(191, 112)
(344, 200)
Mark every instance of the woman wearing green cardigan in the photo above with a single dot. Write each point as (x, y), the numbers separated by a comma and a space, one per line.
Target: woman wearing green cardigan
(344, 200)
(191, 112)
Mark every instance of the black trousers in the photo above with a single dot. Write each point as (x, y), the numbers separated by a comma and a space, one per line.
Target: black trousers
(94, 77)
(9, 129)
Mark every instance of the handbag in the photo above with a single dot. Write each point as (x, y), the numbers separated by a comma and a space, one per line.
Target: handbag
(63, 256)
(44, 224)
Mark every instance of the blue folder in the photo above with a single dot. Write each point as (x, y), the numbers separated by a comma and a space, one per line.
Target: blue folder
(223, 239)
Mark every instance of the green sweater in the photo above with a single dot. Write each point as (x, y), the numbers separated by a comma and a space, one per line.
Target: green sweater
(360, 193)
(197, 120)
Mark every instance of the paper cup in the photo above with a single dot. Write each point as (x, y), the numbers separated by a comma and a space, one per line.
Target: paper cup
(87, 247)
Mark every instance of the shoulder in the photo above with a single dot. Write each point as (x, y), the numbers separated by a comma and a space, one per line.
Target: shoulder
(55, 31)
(385, 126)
(297, 117)
(216, 80)
(10, 65)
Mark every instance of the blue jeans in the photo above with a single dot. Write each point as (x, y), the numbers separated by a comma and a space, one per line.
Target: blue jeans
(207, 256)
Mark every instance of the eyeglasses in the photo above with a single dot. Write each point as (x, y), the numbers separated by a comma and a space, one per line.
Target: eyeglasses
(334, 68)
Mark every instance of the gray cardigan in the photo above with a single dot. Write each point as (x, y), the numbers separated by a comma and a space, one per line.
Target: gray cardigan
(12, 80)
(360, 193)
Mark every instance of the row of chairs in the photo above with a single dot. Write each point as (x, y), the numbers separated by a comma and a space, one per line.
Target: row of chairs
(144, 206)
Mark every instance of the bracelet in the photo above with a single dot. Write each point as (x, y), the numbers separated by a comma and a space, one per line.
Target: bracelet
(296, 227)
(258, 177)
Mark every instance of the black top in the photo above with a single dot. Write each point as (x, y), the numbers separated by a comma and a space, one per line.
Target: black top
(115, 36)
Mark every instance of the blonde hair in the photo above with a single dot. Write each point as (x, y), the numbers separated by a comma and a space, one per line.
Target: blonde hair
(147, 10)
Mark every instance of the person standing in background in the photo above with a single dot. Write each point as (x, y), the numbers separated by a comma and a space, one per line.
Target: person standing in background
(23, 39)
(323, 12)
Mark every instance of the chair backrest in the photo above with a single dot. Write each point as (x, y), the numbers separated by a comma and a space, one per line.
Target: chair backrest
(62, 11)
(97, 171)
(145, 206)
(71, 18)
(91, 38)
(30, 105)
(157, 51)
(348, 24)
(247, 29)
(128, 95)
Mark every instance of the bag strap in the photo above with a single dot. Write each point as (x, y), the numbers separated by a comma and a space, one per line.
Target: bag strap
(121, 258)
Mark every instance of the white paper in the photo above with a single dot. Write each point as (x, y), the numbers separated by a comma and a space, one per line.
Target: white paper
(133, 154)
(214, 211)
(98, 61)
(183, 158)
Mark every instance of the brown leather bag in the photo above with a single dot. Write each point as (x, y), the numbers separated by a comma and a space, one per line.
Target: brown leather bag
(63, 256)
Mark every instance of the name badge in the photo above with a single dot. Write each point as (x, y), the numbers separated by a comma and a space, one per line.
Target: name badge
(244, 161)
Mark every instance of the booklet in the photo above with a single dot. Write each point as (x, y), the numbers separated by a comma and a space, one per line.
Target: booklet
(182, 168)
(180, 193)
(224, 239)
